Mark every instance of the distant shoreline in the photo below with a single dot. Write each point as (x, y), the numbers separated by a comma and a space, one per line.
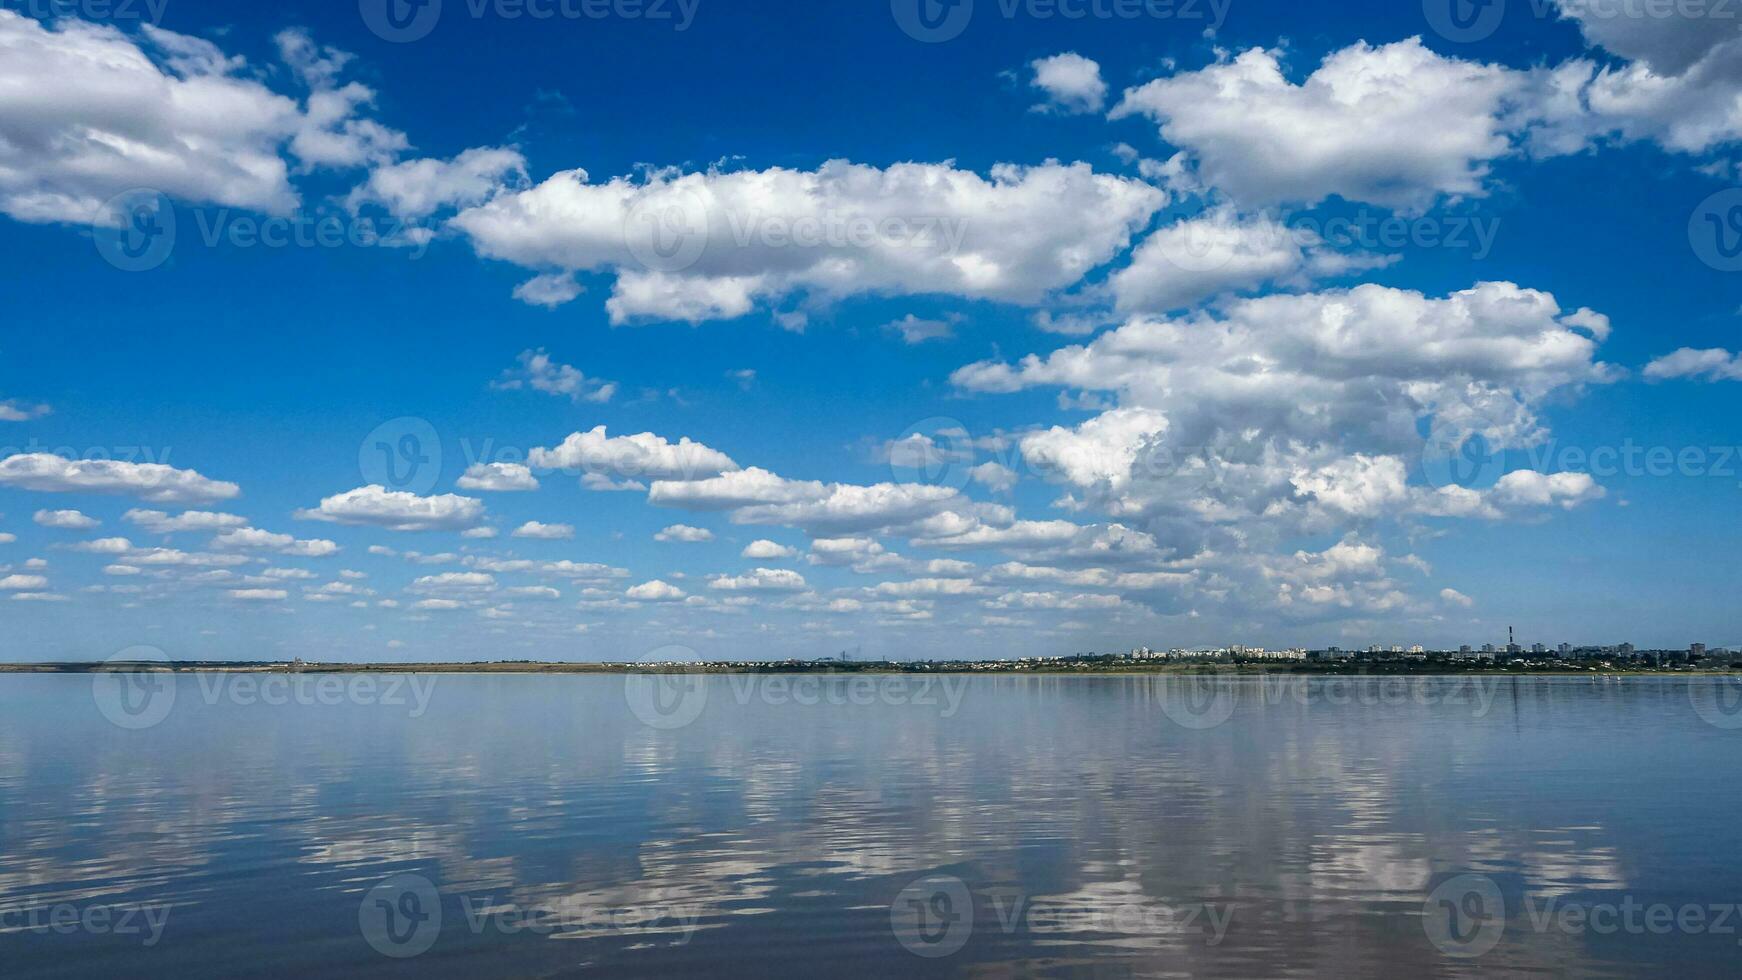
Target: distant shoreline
(1366, 668)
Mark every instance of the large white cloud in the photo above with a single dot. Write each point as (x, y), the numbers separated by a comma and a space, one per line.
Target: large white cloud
(703, 246)
(1394, 125)
(155, 483)
(1302, 412)
(92, 112)
(1400, 126)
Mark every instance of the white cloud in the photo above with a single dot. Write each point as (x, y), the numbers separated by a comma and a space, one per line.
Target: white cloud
(766, 550)
(684, 533)
(1296, 413)
(842, 230)
(643, 456)
(498, 478)
(65, 520)
(151, 482)
(1667, 44)
(1714, 364)
(914, 330)
(254, 539)
(164, 111)
(17, 583)
(539, 372)
(1452, 597)
(12, 410)
(655, 591)
(761, 580)
(1395, 125)
(1072, 83)
(994, 476)
(545, 532)
(377, 506)
(549, 290)
(1219, 252)
(158, 522)
(415, 189)
(259, 595)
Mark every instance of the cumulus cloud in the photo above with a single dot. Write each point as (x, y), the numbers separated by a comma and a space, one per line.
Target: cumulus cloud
(1220, 252)
(1071, 82)
(1400, 126)
(151, 482)
(913, 330)
(644, 456)
(376, 506)
(1299, 412)
(684, 533)
(729, 240)
(655, 591)
(766, 550)
(65, 520)
(169, 112)
(545, 532)
(1395, 125)
(498, 478)
(1713, 364)
(415, 189)
(539, 372)
(158, 522)
(254, 539)
(761, 580)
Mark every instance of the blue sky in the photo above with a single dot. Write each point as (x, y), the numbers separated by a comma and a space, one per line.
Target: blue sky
(1052, 335)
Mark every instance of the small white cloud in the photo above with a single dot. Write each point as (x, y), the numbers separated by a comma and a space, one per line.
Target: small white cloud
(766, 550)
(65, 520)
(1072, 83)
(498, 478)
(545, 532)
(684, 533)
(656, 591)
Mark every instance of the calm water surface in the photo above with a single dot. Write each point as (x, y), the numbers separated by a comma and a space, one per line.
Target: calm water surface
(1113, 826)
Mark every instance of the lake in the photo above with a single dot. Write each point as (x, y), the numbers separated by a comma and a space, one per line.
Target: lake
(805, 825)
